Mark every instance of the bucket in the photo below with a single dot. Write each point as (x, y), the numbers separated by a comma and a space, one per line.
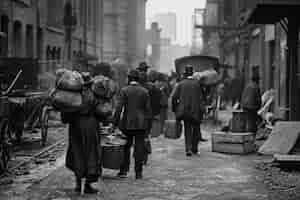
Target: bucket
(112, 152)
(112, 156)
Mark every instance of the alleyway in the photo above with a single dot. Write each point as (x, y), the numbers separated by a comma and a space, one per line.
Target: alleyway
(169, 176)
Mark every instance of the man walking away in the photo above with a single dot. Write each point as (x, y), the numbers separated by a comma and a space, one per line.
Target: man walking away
(251, 100)
(134, 103)
(187, 103)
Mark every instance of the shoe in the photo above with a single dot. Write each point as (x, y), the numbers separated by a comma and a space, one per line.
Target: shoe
(138, 176)
(77, 188)
(203, 140)
(88, 189)
(122, 174)
(189, 154)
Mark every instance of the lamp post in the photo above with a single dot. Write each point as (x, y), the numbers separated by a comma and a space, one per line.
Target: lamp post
(70, 23)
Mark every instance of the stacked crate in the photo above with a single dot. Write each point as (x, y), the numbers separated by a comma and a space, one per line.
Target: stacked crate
(238, 141)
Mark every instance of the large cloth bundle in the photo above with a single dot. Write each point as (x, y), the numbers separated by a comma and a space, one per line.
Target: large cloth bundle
(66, 101)
(208, 77)
(69, 80)
(104, 87)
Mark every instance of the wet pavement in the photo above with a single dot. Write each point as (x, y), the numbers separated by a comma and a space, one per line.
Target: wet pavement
(170, 175)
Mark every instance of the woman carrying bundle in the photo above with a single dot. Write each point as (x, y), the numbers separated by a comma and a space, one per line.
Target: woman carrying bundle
(83, 154)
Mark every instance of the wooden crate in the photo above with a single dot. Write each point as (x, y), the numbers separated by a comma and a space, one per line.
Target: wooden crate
(235, 143)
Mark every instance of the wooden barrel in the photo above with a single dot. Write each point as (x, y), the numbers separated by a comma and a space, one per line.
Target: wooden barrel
(239, 122)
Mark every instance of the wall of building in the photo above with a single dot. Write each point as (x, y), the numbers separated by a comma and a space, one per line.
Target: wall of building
(136, 24)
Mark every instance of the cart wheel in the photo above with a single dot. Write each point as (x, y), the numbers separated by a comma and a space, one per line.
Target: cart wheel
(5, 145)
(44, 126)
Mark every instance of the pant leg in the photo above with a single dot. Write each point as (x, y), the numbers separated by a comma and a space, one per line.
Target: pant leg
(163, 118)
(126, 162)
(196, 135)
(139, 152)
(188, 135)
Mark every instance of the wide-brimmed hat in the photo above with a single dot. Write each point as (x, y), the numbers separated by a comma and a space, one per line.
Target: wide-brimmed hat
(134, 73)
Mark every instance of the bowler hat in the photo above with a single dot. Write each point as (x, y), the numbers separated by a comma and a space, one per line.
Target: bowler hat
(143, 66)
(133, 73)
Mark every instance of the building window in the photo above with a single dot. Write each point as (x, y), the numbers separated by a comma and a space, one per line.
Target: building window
(17, 39)
(3, 38)
(29, 41)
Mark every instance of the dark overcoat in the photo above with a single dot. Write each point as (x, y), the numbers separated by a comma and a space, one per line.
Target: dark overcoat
(133, 109)
(251, 97)
(84, 151)
(188, 101)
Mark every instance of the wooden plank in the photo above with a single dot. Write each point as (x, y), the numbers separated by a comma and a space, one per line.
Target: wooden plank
(282, 139)
(235, 138)
(233, 148)
(287, 158)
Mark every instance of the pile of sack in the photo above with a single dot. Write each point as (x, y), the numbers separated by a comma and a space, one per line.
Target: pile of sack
(69, 96)
(207, 77)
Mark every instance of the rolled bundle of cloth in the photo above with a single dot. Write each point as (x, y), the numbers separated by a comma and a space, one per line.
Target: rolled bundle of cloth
(69, 80)
(67, 95)
(208, 77)
(104, 87)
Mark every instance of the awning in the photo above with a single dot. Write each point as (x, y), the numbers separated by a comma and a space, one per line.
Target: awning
(272, 13)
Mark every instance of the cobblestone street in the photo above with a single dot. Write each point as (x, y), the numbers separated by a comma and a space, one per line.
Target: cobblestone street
(170, 175)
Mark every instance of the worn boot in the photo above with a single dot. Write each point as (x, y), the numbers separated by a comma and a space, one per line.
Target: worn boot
(88, 189)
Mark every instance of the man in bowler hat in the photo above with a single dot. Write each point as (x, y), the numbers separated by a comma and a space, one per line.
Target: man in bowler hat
(187, 104)
(134, 103)
(251, 100)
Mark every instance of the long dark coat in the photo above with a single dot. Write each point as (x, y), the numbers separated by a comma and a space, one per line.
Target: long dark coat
(84, 152)
(251, 97)
(187, 100)
(133, 109)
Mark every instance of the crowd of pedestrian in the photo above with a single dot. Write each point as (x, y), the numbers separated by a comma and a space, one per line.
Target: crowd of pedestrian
(136, 106)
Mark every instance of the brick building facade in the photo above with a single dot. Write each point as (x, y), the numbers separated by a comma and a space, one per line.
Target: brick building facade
(105, 30)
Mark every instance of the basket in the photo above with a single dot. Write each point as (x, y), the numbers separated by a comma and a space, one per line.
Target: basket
(112, 156)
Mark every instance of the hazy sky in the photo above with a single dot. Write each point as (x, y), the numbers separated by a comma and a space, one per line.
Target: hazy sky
(184, 10)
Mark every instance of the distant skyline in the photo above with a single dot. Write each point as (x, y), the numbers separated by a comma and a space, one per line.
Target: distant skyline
(183, 10)
(168, 23)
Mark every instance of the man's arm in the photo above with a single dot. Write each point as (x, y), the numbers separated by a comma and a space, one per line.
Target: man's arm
(119, 108)
(148, 108)
(175, 97)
